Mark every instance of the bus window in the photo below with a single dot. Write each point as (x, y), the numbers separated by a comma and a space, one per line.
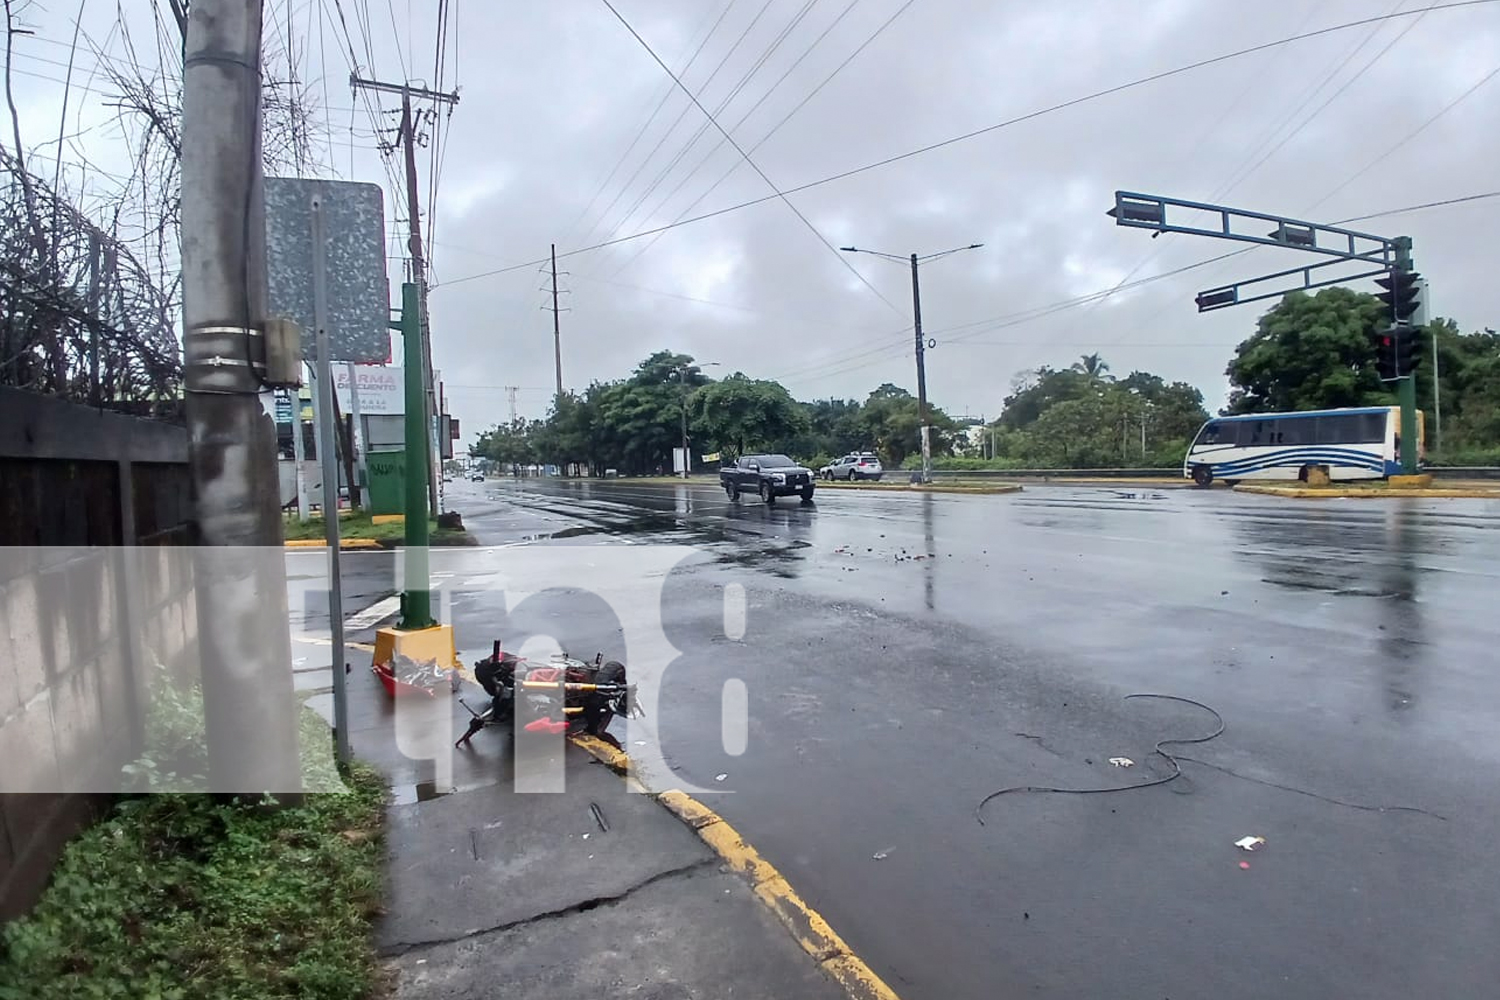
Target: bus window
(1211, 434)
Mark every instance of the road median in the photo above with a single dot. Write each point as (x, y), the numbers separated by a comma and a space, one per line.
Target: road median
(938, 487)
(1450, 491)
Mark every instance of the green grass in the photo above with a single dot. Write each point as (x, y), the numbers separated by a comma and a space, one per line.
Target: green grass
(184, 897)
(359, 524)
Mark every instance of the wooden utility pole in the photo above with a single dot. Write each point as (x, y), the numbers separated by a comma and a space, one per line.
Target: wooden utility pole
(244, 640)
(418, 258)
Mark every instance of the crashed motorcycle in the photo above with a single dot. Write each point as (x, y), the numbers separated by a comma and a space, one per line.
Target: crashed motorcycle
(563, 695)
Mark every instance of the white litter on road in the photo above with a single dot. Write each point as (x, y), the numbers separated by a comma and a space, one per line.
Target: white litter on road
(1249, 843)
(1122, 762)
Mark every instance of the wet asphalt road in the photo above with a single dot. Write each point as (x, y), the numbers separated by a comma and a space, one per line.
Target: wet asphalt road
(1349, 646)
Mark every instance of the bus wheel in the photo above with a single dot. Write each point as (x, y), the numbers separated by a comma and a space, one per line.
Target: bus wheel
(1203, 475)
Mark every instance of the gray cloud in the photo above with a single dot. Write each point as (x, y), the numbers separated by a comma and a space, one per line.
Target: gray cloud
(554, 93)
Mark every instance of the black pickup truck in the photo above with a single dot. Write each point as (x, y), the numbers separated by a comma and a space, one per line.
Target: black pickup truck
(769, 476)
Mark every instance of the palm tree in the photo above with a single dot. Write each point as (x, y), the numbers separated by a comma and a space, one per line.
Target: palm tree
(1091, 365)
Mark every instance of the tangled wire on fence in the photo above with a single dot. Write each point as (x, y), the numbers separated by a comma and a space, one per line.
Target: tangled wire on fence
(80, 318)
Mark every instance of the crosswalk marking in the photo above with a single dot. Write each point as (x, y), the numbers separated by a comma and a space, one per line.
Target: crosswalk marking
(374, 614)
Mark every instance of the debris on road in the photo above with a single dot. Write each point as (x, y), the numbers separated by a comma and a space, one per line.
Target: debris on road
(599, 817)
(1249, 843)
(881, 855)
(1245, 865)
(720, 777)
(1122, 762)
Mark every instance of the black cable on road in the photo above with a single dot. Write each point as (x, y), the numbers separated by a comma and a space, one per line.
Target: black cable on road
(1176, 769)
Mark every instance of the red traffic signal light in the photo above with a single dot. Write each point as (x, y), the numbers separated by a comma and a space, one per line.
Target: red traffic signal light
(1385, 357)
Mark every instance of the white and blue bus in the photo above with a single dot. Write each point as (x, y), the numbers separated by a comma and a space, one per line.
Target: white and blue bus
(1353, 443)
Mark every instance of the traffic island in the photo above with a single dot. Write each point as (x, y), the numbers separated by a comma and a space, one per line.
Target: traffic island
(1398, 486)
(361, 530)
(958, 487)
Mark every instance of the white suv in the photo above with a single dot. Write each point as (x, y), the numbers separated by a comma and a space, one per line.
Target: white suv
(858, 465)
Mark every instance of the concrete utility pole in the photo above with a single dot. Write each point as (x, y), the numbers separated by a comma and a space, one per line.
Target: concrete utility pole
(244, 640)
(916, 314)
(916, 310)
(418, 258)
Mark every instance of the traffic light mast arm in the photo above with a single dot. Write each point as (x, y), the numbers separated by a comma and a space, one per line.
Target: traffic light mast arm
(1234, 294)
(1150, 211)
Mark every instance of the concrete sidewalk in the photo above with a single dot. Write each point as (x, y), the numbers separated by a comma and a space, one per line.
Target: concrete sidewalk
(493, 893)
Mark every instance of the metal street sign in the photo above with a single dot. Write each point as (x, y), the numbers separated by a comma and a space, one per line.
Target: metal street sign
(358, 290)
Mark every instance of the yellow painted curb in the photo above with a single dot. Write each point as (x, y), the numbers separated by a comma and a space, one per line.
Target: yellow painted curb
(344, 543)
(387, 518)
(616, 760)
(813, 933)
(1325, 493)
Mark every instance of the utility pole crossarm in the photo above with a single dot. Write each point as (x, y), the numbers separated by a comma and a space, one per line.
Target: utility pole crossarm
(403, 90)
(1149, 211)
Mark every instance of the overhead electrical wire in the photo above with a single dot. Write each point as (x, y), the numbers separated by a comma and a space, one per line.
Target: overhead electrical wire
(1400, 143)
(769, 183)
(1330, 99)
(842, 364)
(1060, 106)
(719, 109)
(641, 132)
(734, 128)
(651, 153)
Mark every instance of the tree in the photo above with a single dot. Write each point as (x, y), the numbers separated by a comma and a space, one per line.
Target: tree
(1091, 367)
(1078, 417)
(740, 409)
(1311, 352)
(891, 418)
(1033, 397)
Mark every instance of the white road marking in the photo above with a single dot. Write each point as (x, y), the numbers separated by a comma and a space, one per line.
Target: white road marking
(374, 614)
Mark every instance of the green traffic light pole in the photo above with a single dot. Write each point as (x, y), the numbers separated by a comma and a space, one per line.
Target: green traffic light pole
(1406, 384)
(416, 599)
(1388, 256)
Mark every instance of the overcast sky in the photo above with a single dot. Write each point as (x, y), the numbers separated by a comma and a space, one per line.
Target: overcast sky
(555, 95)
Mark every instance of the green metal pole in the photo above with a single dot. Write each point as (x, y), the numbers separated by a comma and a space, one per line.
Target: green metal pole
(416, 600)
(1406, 395)
(1406, 388)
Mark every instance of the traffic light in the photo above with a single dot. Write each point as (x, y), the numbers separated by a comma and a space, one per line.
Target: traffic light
(1385, 355)
(1401, 295)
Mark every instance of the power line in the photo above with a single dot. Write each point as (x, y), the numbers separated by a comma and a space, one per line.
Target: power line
(1408, 137)
(1418, 208)
(1331, 98)
(769, 183)
(1108, 91)
(777, 127)
(675, 122)
(735, 127)
(641, 132)
(719, 109)
(842, 365)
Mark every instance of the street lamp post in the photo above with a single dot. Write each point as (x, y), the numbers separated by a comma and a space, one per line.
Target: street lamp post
(921, 346)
